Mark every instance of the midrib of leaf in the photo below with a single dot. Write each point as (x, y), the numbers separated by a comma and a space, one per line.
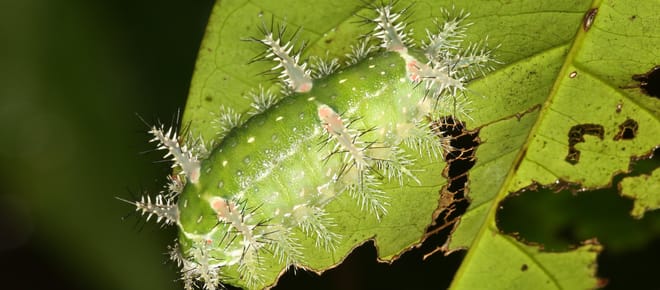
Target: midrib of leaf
(503, 192)
(536, 261)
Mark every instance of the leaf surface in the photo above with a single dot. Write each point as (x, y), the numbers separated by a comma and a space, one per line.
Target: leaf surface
(556, 75)
(644, 189)
(581, 82)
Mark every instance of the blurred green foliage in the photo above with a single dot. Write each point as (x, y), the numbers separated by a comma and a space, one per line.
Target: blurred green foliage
(73, 75)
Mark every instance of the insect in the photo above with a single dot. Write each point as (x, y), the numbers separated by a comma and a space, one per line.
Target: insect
(354, 135)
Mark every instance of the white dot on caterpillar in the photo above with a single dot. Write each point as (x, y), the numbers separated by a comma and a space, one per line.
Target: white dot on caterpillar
(200, 218)
(221, 184)
(310, 99)
(246, 160)
(279, 118)
(251, 139)
(342, 81)
(372, 66)
(224, 163)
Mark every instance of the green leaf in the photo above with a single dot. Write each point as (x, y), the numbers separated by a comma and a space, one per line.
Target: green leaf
(579, 80)
(224, 76)
(556, 74)
(223, 72)
(644, 189)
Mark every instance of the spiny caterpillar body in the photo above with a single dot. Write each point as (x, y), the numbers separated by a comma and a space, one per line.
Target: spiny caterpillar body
(340, 136)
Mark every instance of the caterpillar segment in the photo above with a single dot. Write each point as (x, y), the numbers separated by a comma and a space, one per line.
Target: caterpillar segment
(225, 121)
(323, 67)
(448, 34)
(360, 51)
(264, 194)
(391, 29)
(181, 156)
(163, 208)
(295, 75)
(261, 99)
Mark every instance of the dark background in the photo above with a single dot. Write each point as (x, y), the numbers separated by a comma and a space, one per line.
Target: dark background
(73, 75)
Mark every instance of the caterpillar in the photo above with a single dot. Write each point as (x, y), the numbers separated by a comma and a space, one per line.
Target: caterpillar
(352, 136)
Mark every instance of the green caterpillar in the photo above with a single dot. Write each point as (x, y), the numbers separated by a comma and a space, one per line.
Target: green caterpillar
(354, 136)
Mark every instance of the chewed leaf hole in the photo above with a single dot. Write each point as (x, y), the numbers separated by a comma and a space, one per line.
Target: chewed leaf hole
(460, 159)
(560, 220)
(560, 216)
(436, 270)
(627, 130)
(650, 82)
(576, 135)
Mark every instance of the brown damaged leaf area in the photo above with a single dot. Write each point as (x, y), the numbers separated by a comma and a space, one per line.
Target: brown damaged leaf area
(576, 135)
(641, 166)
(452, 203)
(460, 159)
(649, 82)
(566, 213)
(627, 130)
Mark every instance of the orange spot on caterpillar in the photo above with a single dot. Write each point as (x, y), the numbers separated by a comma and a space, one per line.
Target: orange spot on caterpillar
(331, 120)
(413, 70)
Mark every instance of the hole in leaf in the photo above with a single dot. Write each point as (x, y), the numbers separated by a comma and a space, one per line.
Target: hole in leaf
(460, 159)
(523, 267)
(576, 135)
(650, 82)
(558, 217)
(627, 130)
(361, 270)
